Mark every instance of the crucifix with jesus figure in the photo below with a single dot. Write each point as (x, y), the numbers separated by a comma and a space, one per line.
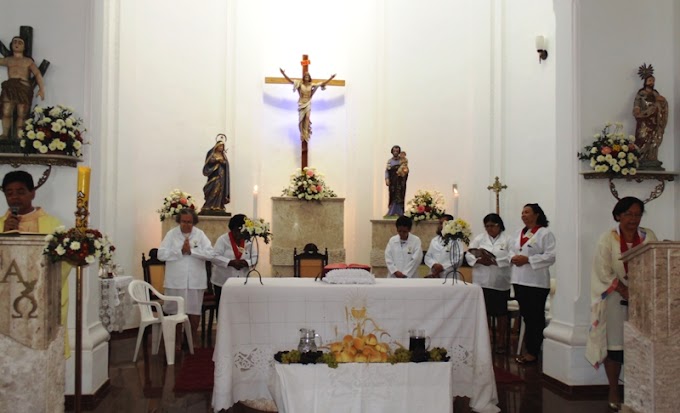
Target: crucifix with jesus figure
(305, 87)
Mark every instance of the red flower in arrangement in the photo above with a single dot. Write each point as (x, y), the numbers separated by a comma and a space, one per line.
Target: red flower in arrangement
(175, 202)
(308, 185)
(78, 247)
(425, 205)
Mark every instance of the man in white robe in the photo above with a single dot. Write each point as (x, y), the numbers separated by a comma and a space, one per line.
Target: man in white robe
(404, 251)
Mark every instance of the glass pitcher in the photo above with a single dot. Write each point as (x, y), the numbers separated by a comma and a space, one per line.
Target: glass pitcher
(308, 340)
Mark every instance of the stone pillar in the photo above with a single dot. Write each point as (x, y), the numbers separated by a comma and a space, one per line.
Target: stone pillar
(652, 333)
(296, 223)
(31, 335)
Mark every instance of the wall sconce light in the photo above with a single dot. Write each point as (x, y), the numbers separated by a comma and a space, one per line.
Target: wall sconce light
(540, 48)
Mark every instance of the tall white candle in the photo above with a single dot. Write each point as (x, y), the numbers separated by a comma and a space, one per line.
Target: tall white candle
(255, 202)
(456, 197)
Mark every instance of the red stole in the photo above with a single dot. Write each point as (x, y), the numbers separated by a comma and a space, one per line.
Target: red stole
(624, 247)
(235, 246)
(523, 240)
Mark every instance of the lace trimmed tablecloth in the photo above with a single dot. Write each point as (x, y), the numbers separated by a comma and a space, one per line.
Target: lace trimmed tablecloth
(115, 302)
(363, 387)
(257, 320)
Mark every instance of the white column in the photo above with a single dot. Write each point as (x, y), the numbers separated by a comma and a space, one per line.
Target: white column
(565, 337)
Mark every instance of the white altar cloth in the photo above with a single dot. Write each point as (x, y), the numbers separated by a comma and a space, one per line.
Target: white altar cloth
(363, 387)
(257, 320)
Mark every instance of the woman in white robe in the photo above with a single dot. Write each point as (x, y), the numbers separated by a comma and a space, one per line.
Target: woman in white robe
(609, 291)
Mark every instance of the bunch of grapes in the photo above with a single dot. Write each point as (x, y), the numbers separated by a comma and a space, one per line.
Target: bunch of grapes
(329, 359)
(289, 357)
(400, 355)
(310, 357)
(439, 354)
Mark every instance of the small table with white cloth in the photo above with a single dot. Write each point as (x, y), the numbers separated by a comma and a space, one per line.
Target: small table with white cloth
(256, 321)
(115, 302)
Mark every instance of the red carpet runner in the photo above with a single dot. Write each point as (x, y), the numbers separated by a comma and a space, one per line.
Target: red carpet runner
(196, 373)
(505, 377)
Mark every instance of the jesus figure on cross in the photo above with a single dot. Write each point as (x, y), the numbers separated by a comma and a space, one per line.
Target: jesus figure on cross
(305, 88)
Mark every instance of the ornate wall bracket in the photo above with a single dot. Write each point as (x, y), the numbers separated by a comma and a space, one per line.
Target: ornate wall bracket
(640, 176)
(17, 159)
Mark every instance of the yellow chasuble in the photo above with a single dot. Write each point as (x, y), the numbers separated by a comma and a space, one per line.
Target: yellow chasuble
(39, 221)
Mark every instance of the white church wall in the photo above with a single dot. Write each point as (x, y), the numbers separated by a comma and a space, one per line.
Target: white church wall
(172, 105)
(410, 81)
(528, 111)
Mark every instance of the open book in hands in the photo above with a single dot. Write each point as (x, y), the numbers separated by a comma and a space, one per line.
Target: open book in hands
(485, 257)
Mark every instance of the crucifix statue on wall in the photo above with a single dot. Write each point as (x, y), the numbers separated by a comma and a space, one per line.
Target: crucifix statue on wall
(305, 87)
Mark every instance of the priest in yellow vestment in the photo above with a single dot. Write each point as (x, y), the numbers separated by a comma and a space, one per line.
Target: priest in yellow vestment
(22, 216)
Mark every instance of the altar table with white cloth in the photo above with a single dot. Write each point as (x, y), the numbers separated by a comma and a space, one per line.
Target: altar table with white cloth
(363, 387)
(257, 320)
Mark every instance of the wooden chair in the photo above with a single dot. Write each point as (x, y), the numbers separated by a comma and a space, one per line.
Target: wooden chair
(154, 271)
(310, 262)
(209, 306)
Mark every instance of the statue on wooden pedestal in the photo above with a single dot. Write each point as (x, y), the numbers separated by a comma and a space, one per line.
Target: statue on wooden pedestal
(651, 114)
(396, 175)
(216, 168)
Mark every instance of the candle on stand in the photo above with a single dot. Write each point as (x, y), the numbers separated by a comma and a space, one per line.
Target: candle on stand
(82, 197)
(255, 202)
(456, 197)
(84, 182)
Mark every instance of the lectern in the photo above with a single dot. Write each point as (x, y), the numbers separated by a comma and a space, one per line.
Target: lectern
(31, 336)
(652, 332)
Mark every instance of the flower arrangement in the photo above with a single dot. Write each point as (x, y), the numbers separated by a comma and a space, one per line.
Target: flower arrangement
(256, 228)
(612, 152)
(52, 129)
(309, 185)
(175, 202)
(425, 205)
(456, 229)
(78, 247)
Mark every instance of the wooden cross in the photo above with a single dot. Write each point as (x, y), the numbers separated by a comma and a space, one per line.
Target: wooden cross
(306, 91)
(497, 188)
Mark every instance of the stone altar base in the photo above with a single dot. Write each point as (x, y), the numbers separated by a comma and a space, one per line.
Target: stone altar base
(296, 223)
(31, 337)
(213, 226)
(651, 334)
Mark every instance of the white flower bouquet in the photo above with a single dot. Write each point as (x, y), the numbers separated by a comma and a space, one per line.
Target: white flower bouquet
(175, 202)
(425, 205)
(456, 229)
(257, 228)
(52, 129)
(309, 185)
(78, 247)
(612, 152)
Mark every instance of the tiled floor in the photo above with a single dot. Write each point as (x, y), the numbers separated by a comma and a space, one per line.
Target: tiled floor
(147, 387)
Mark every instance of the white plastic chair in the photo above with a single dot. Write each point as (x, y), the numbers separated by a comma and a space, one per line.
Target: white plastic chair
(162, 325)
